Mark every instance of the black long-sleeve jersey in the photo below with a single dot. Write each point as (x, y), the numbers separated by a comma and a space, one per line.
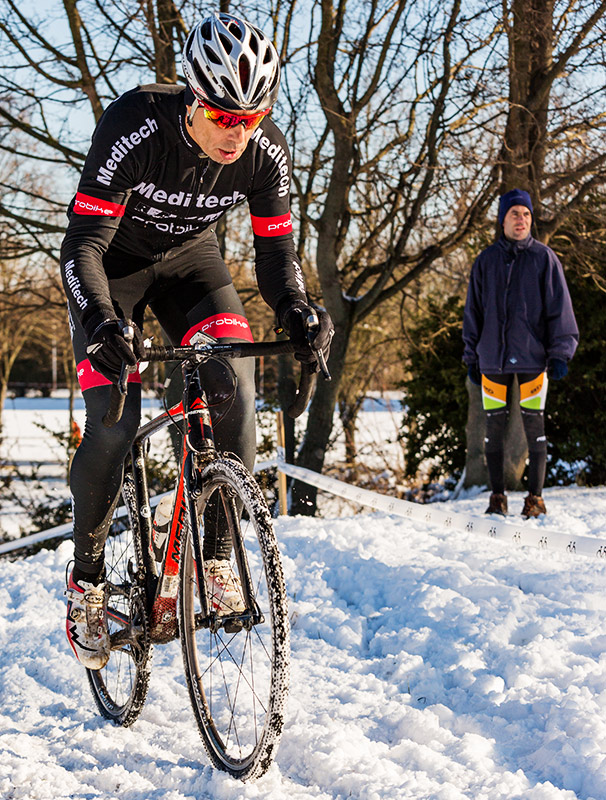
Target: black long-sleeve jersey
(146, 188)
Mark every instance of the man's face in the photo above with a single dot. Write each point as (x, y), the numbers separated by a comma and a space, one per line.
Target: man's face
(517, 222)
(223, 145)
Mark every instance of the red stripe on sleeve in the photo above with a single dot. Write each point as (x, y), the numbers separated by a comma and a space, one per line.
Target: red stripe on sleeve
(85, 204)
(271, 226)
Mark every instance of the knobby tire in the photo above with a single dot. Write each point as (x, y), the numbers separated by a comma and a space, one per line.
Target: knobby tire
(238, 681)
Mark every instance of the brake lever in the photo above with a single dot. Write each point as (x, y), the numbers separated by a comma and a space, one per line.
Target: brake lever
(117, 396)
(312, 324)
(128, 332)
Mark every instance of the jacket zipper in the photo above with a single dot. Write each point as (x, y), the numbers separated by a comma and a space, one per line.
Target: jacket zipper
(505, 317)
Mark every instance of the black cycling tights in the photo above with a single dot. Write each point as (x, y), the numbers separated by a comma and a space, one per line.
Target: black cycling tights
(534, 428)
(96, 473)
(182, 295)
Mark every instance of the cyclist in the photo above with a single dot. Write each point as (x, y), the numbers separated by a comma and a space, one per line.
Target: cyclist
(165, 163)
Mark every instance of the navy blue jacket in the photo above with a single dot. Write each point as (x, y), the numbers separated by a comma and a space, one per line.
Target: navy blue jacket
(518, 312)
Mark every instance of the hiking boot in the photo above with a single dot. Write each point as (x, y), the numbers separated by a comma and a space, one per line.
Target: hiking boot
(534, 506)
(86, 624)
(224, 587)
(497, 504)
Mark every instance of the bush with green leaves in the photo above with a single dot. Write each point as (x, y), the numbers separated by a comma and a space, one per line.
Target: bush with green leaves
(576, 411)
(435, 413)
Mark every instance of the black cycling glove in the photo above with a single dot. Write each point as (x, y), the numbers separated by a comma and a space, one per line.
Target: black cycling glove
(107, 348)
(557, 369)
(294, 317)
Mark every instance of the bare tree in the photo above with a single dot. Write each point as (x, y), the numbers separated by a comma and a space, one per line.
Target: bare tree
(385, 161)
(62, 67)
(553, 146)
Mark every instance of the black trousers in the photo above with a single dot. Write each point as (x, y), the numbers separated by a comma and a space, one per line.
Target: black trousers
(534, 428)
(186, 288)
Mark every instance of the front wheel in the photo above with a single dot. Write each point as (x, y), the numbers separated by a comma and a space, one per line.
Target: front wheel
(237, 668)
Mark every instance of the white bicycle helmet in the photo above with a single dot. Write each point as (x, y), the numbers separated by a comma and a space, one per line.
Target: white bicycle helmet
(231, 64)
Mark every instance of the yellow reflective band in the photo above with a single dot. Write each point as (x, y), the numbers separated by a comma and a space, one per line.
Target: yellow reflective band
(534, 393)
(494, 395)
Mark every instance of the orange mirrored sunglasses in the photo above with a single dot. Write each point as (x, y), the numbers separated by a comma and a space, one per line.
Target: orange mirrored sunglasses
(226, 120)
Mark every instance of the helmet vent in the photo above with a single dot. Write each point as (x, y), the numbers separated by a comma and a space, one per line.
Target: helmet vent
(227, 44)
(259, 90)
(235, 30)
(228, 86)
(211, 55)
(244, 73)
(267, 56)
(198, 69)
(202, 79)
(206, 30)
(206, 85)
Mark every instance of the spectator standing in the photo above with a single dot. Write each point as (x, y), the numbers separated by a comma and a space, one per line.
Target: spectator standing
(518, 321)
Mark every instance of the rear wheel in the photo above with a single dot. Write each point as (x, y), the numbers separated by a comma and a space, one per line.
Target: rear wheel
(237, 667)
(120, 688)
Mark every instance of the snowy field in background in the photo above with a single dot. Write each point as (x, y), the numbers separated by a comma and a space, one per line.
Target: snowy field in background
(26, 440)
(426, 665)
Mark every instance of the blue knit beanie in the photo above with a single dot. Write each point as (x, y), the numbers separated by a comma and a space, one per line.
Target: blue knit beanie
(516, 197)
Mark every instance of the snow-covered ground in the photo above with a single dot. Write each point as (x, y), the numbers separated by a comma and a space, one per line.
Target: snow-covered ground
(427, 664)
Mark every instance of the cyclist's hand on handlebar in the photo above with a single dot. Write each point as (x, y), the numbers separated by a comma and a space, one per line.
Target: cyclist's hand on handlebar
(107, 348)
(310, 330)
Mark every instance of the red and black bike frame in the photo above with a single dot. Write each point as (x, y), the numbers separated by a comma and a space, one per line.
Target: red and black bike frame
(198, 450)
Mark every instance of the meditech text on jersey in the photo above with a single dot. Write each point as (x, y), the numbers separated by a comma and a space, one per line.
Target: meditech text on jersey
(184, 199)
(121, 148)
(74, 284)
(276, 152)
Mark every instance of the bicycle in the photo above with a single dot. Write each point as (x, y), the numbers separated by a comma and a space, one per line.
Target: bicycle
(236, 665)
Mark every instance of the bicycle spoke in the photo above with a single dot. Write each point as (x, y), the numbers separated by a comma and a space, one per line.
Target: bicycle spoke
(226, 650)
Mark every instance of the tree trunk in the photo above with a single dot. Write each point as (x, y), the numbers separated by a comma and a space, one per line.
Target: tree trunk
(319, 425)
(349, 418)
(3, 394)
(530, 36)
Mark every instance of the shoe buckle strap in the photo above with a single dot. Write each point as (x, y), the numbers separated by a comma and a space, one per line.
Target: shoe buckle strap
(93, 597)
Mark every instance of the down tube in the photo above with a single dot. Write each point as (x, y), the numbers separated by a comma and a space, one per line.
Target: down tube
(194, 527)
